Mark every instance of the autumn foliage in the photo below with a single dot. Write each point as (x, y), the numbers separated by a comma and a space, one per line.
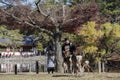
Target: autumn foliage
(78, 14)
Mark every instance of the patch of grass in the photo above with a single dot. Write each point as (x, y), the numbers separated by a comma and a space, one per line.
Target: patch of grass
(58, 76)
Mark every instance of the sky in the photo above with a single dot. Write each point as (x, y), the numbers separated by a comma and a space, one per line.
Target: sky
(31, 1)
(27, 2)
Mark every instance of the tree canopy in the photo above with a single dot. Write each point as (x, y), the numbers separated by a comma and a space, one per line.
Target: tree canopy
(10, 37)
(99, 42)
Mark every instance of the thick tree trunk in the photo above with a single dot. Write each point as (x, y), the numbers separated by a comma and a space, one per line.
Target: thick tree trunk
(59, 58)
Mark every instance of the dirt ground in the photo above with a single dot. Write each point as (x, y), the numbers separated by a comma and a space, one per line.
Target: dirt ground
(58, 76)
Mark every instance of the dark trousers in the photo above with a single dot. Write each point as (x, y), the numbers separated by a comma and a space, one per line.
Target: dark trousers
(51, 69)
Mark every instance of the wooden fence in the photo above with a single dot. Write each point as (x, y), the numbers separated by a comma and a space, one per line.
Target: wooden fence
(23, 63)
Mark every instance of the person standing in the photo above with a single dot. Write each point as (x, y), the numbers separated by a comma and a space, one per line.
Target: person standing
(68, 46)
(51, 63)
(67, 49)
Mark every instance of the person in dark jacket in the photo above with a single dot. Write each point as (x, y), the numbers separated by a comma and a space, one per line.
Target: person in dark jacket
(67, 50)
(68, 46)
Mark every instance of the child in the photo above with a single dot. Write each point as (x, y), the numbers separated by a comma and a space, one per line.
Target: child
(51, 63)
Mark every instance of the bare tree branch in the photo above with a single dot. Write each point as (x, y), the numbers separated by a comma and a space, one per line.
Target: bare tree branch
(39, 9)
(28, 23)
(5, 3)
(44, 14)
(70, 20)
(12, 15)
(31, 20)
(9, 5)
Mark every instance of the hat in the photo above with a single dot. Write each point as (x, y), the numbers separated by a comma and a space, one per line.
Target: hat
(66, 39)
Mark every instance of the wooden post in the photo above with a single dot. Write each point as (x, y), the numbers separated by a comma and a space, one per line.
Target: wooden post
(15, 69)
(99, 66)
(8, 66)
(103, 67)
(30, 68)
(37, 67)
(0, 67)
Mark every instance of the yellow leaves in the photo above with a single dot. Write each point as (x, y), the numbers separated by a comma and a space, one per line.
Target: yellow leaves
(102, 52)
(90, 49)
(100, 33)
(90, 33)
(112, 30)
(97, 59)
(107, 28)
(40, 46)
(90, 36)
(116, 31)
(88, 29)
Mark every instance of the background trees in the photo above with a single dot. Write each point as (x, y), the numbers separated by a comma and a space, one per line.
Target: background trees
(10, 38)
(98, 44)
(111, 37)
(110, 9)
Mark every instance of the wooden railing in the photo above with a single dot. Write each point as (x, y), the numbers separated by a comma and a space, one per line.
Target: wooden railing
(23, 60)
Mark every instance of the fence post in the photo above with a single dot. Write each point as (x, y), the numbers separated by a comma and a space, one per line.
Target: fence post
(30, 68)
(0, 67)
(103, 67)
(37, 67)
(99, 67)
(15, 69)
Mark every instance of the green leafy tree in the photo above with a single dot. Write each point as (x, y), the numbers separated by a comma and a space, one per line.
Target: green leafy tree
(90, 36)
(110, 38)
(11, 38)
(110, 9)
(97, 44)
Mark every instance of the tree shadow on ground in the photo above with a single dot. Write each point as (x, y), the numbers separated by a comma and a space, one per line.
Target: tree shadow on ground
(65, 75)
(61, 76)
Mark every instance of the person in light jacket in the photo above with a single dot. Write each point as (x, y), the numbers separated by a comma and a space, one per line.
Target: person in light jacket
(51, 63)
